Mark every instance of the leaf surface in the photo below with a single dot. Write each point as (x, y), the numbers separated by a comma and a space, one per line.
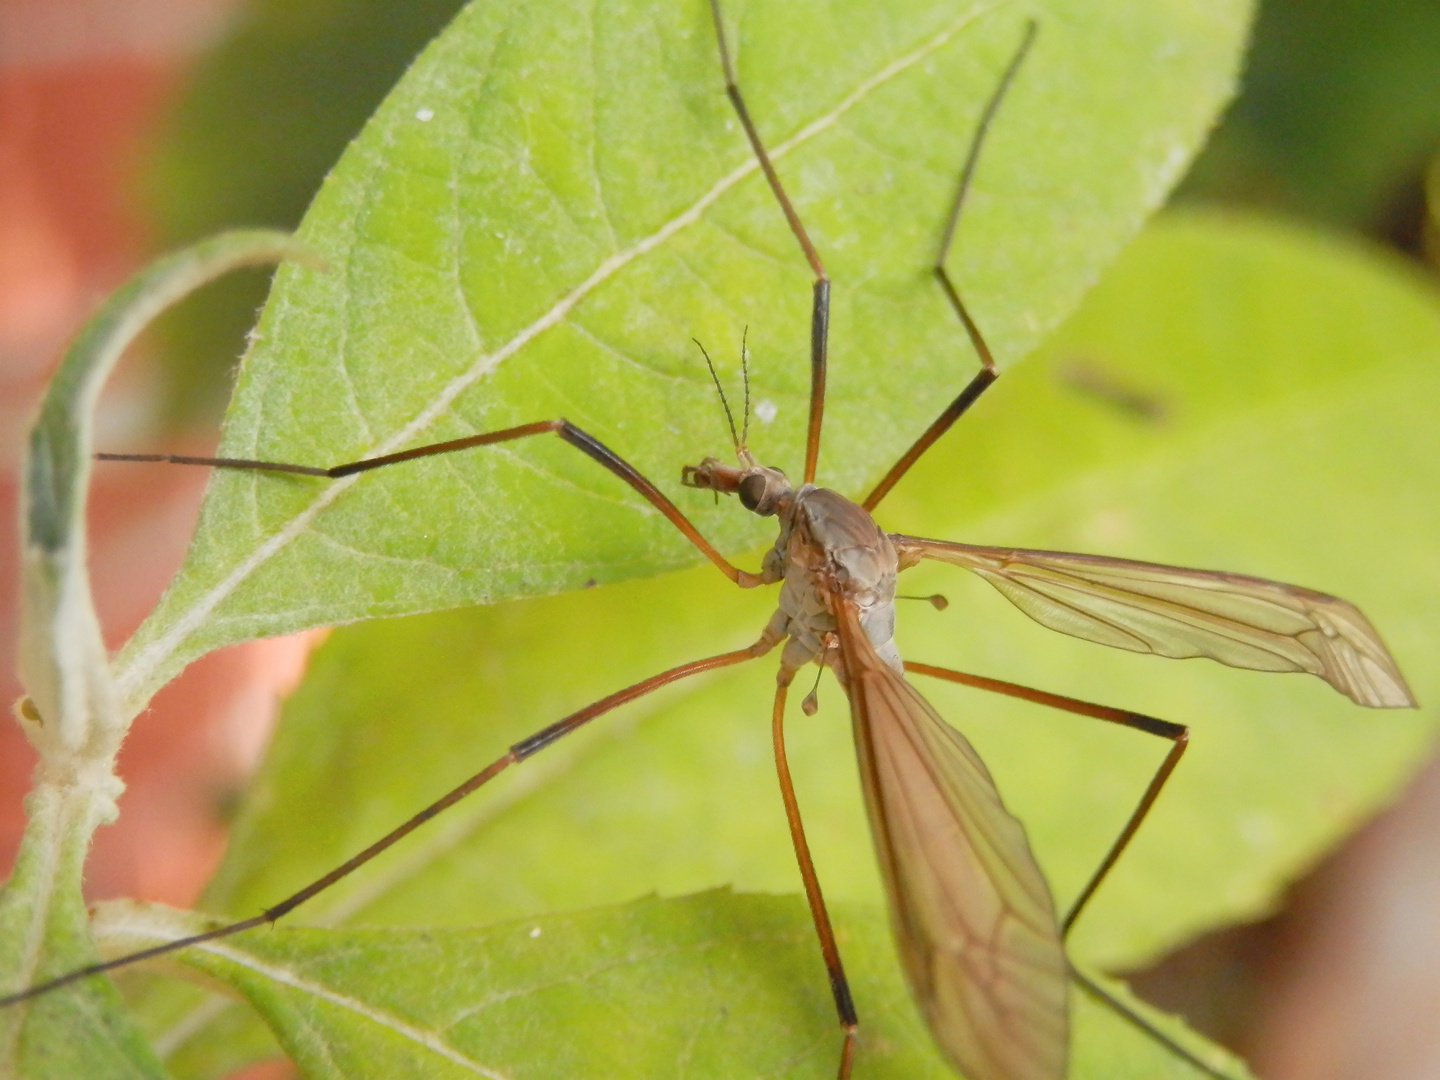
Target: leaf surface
(1286, 384)
(641, 990)
(557, 198)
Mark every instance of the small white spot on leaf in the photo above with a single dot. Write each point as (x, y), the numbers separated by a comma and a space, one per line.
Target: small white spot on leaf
(1259, 830)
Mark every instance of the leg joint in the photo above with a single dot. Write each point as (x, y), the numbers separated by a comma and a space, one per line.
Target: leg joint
(1179, 733)
(844, 1003)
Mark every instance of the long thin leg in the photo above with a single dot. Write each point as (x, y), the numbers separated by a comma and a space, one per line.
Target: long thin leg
(1178, 734)
(581, 440)
(839, 985)
(1105, 997)
(820, 303)
(987, 373)
(517, 753)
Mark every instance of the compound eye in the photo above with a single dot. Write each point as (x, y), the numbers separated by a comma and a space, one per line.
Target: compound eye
(752, 491)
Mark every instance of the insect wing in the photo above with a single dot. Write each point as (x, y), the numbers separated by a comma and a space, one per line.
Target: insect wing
(1241, 621)
(971, 912)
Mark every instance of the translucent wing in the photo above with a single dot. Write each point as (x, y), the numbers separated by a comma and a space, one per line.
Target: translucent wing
(1242, 621)
(972, 915)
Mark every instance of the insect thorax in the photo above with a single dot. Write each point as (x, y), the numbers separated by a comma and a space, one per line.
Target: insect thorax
(829, 544)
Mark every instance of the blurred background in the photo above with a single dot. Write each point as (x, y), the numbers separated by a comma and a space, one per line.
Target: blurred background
(131, 126)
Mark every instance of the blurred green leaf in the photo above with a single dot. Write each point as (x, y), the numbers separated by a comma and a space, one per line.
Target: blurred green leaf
(1432, 196)
(1339, 111)
(711, 985)
(556, 198)
(1234, 395)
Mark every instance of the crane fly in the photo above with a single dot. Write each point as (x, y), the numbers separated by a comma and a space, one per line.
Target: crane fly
(979, 937)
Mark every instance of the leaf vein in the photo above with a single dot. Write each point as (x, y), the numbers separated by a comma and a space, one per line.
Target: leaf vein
(137, 671)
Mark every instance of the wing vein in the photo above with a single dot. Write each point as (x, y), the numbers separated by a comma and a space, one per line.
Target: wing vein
(971, 913)
(1241, 621)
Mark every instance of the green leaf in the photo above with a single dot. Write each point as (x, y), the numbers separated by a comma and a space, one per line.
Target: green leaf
(82, 1030)
(62, 662)
(71, 713)
(1432, 193)
(557, 198)
(266, 113)
(711, 985)
(1235, 395)
(1340, 109)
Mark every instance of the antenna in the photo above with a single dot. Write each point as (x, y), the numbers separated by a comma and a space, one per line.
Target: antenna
(715, 378)
(745, 376)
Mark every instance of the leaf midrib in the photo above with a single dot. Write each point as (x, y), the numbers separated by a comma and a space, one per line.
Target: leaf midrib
(138, 669)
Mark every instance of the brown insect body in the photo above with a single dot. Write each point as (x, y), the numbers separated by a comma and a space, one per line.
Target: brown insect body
(971, 912)
(972, 915)
(830, 551)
